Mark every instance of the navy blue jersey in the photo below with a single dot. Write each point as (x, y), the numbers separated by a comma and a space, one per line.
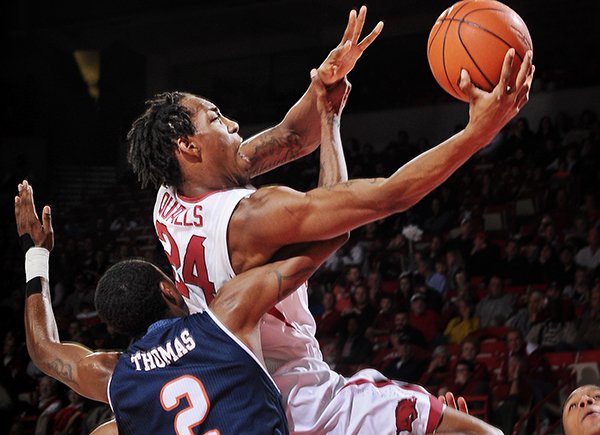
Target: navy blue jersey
(192, 376)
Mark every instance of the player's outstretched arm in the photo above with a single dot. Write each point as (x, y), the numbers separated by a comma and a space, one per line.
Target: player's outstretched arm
(460, 423)
(84, 371)
(299, 132)
(332, 162)
(280, 216)
(242, 301)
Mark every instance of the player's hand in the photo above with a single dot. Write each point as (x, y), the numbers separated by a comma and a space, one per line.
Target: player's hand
(489, 112)
(449, 400)
(325, 106)
(342, 58)
(27, 219)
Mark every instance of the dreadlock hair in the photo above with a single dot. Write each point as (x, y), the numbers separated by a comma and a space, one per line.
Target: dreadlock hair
(152, 139)
(128, 297)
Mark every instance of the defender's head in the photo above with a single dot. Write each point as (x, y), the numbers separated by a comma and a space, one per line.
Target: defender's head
(133, 294)
(581, 411)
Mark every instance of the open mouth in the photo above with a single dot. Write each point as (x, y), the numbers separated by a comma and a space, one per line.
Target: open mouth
(591, 413)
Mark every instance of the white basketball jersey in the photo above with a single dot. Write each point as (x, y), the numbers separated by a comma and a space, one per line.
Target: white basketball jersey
(193, 232)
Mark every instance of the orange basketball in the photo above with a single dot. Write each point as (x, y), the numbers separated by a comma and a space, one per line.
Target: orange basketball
(475, 35)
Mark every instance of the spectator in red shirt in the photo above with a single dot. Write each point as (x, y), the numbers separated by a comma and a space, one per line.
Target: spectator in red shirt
(328, 321)
(424, 319)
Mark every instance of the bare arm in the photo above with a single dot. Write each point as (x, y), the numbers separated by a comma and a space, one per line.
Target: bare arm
(84, 371)
(299, 133)
(243, 300)
(108, 428)
(276, 217)
(460, 423)
(332, 161)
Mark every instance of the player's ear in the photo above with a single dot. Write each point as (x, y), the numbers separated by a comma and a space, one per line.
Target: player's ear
(186, 145)
(173, 298)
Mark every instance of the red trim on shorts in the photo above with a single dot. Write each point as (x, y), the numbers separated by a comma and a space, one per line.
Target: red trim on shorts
(436, 408)
(379, 384)
(199, 197)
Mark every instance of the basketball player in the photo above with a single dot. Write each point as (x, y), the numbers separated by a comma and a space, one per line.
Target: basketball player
(581, 411)
(226, 391)
(213, 359)
(213, 227)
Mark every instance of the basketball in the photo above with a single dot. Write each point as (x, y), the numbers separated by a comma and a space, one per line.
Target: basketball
(475, 35)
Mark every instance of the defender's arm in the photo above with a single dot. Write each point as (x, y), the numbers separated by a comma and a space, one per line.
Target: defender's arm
(84, 371)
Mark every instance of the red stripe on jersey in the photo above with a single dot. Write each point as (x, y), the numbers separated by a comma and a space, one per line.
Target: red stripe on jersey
(436, 408)
(379, 384)
(279, 315)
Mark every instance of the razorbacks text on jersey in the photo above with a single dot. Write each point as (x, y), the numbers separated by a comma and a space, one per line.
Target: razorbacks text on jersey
(191, 375)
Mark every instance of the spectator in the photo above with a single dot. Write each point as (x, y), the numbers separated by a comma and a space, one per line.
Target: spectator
(469, 349)
(354, 348)
(439, 219)
(424, 319)
(68, 420)
(514, 265)
(328, 321)
(588, 325)
(345, 289)
(403, 327)
(384, 321)
(401, 362)
(565, 269)
(438, 370)
(463, 383)
(361, 309)
(496, 307)
(48, 405)
(589, 256)
(483, 256)
(512, 395)
(530, 315)
(464, 324)
(554, 334)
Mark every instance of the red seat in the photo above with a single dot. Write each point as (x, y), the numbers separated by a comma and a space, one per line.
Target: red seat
(491, 361)
(493, 346)
(479, 406)
(559, 360)
(589, 356)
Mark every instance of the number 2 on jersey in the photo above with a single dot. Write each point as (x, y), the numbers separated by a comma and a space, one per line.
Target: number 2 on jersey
(194, 264)
(190, 388)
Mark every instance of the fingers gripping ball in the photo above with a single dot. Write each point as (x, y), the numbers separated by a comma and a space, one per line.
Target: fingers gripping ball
(475, 35)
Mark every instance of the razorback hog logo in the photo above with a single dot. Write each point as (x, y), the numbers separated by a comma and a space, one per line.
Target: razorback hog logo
(406, 413)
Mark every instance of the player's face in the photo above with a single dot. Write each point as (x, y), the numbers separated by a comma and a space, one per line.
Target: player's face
(216, 134)
(581, 413)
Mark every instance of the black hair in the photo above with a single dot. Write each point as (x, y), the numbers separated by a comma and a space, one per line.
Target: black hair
(152, 139)
(128, 297)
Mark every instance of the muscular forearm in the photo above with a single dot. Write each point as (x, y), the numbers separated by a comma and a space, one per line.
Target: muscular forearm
(296, 136)
(332, 168)
(275, 217)
(65, 362)
(346, 206)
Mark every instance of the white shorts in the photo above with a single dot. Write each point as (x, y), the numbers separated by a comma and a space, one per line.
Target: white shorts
(368, 403)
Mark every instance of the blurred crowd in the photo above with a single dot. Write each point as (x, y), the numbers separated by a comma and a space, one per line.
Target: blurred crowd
(468, 291)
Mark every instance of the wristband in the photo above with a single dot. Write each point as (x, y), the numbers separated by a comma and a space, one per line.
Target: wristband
(36, 263)
(26, 242)
(33, 286)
